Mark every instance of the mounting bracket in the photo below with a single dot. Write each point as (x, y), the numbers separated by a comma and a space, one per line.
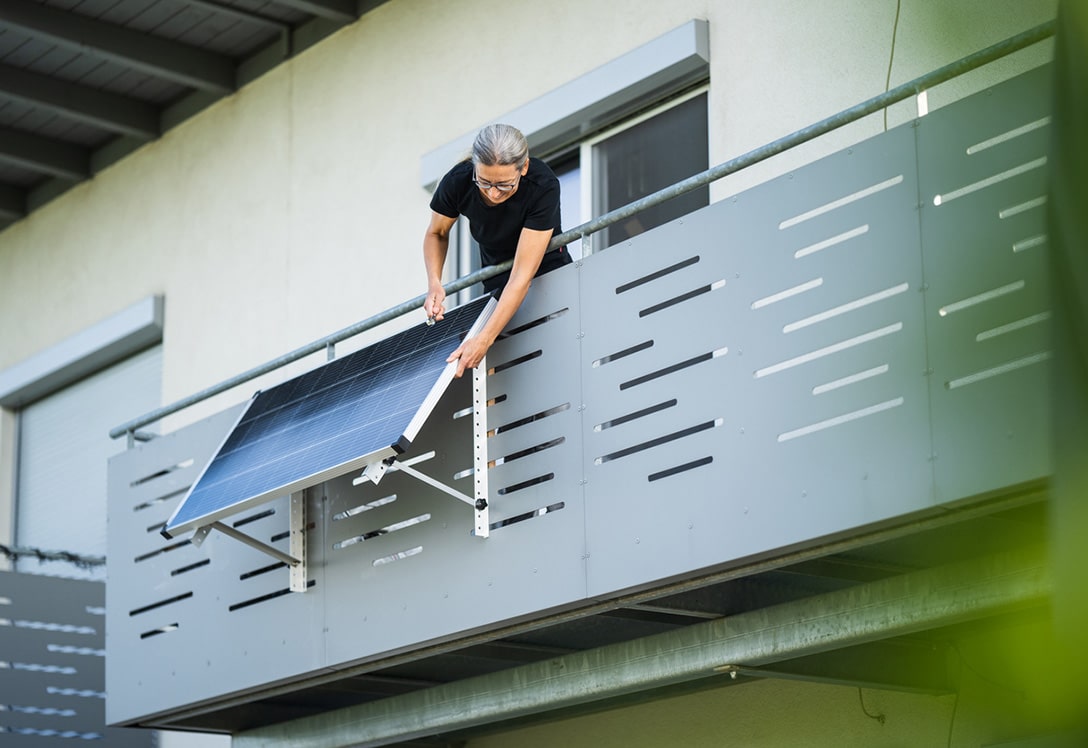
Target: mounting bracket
(376, 470)
(295, 559)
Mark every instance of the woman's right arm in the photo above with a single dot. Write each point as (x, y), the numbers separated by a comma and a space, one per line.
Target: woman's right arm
(436, 242)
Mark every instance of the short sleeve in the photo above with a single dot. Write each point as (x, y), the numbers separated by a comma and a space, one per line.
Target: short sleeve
(543, 213)
(447, 196)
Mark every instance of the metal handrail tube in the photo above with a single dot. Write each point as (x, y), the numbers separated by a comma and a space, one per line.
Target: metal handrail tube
(835, 121)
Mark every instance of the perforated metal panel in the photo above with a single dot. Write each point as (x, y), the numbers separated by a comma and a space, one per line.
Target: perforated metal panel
(52, 639)
(406, 549)
(756, 376)
(764, 374)
(987, 305)
(184, 620)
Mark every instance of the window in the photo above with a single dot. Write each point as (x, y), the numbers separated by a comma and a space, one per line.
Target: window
(626, 163)
(63, 448)
(632, 148)
(58, 407)
(641, 157)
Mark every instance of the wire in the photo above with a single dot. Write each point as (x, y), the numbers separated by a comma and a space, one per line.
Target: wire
(83, 562)
(891, 57)
(879, 717)
(952, 720)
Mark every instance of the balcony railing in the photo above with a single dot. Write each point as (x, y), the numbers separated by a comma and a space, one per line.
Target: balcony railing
(855, 344)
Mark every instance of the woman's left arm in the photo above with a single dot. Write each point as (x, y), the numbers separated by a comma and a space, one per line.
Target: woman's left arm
(530, 252)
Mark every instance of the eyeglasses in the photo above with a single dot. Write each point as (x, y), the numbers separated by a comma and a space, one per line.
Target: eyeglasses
(504, 187)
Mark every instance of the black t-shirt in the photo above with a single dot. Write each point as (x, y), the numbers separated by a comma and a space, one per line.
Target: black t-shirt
(497, 228)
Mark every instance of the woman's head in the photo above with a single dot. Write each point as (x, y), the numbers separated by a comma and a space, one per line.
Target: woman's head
(500, 145)
(500, 157)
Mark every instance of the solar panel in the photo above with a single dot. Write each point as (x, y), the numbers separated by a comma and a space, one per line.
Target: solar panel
(359, 409)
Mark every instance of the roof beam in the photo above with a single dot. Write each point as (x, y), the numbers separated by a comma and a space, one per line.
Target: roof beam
(897, 606)
(341, 11)
(45, 156)
(108, 111)
(12, 203)
(217, 6)
(155, 56)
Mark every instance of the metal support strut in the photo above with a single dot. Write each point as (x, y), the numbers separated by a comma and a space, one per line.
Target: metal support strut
(295, 560)
(375, 471)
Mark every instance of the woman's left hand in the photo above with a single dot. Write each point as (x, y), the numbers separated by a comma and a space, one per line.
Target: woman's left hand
(469, 354)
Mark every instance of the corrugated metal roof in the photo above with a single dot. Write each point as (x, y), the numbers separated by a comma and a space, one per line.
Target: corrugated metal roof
(85, 82)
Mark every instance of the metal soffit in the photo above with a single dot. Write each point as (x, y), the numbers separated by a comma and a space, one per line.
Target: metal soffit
(893, 654)
(83, 83)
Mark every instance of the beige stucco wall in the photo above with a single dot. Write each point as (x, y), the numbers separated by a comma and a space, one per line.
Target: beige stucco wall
(293, 208)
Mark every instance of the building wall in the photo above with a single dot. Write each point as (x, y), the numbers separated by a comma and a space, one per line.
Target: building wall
(293, 208)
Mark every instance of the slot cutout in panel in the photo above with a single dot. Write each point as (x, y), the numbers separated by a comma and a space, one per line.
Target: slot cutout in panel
(1007, 136)
(468, 411)
(265, 598)
(262, 570)
(657, 274)
(634, 416)
(386, 530)
(694, 293)
(526, 484)
(981, 298)
(535, 323)
(159, 500)
(849, 306)
(841, 202)
(160, 604)
(967, 189)
(673, 368)
(287, 533)
(679, 469)
(522, 453)
(997, 371)
(623, 354)
(840, 420)
(515, 362)
(160, 473)
(399, 556)
(160, 551)
(527, 515)
(159, 631)
(254, 517)
(383, 501)
(658, 441)
(190, 567)
(528, 419)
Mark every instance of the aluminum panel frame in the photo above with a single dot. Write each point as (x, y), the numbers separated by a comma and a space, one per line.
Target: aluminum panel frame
(183, 620)
(431, 580)
(51, 644)
(988, 302)
(759, 441)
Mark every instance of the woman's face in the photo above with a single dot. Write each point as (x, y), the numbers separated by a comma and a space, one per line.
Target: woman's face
(498, 183)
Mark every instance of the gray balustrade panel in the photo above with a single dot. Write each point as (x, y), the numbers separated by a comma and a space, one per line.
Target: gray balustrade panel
(189, 622)
(797, 406)
(403, 566)
(52, 641)
(987, 306)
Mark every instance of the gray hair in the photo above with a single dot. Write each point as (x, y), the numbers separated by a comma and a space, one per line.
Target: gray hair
(500, 145)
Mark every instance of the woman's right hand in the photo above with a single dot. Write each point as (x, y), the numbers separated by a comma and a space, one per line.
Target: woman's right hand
(434, 306)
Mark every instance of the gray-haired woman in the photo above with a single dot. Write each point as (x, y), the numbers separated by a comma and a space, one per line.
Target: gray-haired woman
(511, 202)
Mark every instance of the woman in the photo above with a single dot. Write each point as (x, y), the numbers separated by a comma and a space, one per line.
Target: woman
(511, 202)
